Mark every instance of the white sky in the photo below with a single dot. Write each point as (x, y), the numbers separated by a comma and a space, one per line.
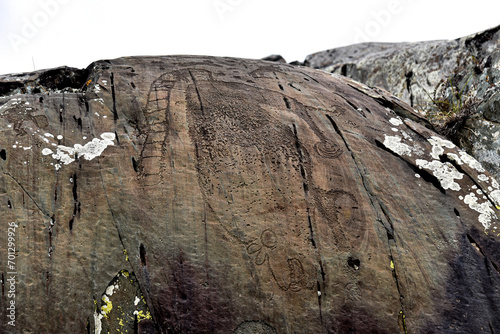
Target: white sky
(77, 32)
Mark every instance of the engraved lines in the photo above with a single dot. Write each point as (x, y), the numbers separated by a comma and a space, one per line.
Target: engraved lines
(157, 115)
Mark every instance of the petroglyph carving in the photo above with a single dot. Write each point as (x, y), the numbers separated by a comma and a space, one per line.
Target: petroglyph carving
(327, 149)
(268, 239)
(288, 273)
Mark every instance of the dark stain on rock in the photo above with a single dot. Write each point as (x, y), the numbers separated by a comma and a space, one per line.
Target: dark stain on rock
(353, 319)
(191, 304)
(353, 263)
(63, 78)
(142, 253)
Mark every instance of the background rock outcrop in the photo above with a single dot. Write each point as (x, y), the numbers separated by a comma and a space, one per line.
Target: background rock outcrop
(202, 195)
(455, 83)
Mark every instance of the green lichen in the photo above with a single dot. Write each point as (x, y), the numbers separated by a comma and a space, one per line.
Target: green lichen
(107, 307)
(141, 315)
(402, 318)
(126, 255)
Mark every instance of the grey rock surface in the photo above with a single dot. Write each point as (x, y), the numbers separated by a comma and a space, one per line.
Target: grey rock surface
(426, 73)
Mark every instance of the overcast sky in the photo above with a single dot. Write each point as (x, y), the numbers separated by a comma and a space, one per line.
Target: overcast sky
(50, 33)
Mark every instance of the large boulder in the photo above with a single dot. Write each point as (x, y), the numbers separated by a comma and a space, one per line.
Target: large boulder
(456, 83)
(221, 195)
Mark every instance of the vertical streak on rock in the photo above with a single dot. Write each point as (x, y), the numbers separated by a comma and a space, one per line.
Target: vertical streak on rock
(115, 113)
(301, 161)
(305, 183)
(197, 92)
(311, 232)
(402, 316)
(76, 204)
(61, 109)
(391, 240)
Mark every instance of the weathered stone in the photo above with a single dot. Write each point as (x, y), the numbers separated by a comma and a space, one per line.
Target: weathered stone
(240, 196)
(275, 58)
(425, 74)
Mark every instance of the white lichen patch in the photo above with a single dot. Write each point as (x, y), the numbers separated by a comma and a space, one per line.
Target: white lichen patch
(406, 135)
(469, 160)
(97, 323)
(483, 178)
(437, 146)
(396, 121)
(47, 151)
(445, 172)
(89, 151)
(110, 289)
(395, 144)
(485, 210)
(434, 140)
(448, 175)
(394, 129)
(495, 196)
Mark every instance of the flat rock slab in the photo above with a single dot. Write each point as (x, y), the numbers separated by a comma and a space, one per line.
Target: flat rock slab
(221, 195)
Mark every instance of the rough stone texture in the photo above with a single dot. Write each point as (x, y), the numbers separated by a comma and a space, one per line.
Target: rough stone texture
(415, 71)
(275, 58)
(220, 195)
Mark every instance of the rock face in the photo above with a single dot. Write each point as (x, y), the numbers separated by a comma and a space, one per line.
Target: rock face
(458, 79)
(220, 195)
